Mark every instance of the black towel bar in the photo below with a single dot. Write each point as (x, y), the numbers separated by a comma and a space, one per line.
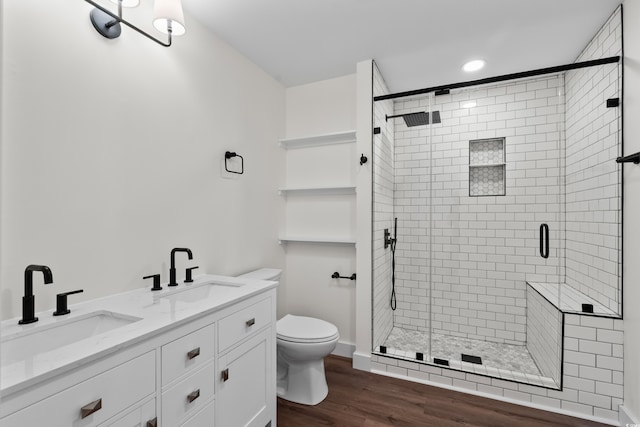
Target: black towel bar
(337, 275)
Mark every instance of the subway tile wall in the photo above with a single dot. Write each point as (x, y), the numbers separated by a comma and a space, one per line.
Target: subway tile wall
(593, 242)
(544, 335)
(383, 211)
(483, 248)
(593, 346)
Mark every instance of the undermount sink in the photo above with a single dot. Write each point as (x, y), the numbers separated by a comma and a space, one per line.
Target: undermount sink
(42, 339)
(195, 293)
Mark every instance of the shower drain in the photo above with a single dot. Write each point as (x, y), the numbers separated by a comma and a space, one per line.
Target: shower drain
(471, 359)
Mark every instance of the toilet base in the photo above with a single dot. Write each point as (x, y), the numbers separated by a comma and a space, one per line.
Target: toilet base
(302, 382)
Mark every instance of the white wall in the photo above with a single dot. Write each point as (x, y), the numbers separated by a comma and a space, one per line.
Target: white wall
(307, 288)
(112, 154)
(631, 209)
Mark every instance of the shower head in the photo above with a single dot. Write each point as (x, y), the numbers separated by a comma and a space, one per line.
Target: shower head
(418, 119)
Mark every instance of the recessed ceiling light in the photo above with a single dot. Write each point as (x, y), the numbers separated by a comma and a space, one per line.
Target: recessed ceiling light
(474, 65)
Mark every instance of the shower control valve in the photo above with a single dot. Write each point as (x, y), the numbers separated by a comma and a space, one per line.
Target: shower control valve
(388, 240)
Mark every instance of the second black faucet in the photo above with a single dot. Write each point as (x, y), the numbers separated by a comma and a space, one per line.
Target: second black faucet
(172, 270)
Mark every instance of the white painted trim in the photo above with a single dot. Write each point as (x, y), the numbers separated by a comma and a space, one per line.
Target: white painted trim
(344, 349)
(364, 188)
(626, 418)
(362, 361)
(500, 398)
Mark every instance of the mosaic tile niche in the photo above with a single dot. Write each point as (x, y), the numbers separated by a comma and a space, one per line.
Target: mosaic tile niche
(487, 167)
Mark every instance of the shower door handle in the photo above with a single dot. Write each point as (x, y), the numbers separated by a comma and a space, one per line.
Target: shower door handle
(544, 240)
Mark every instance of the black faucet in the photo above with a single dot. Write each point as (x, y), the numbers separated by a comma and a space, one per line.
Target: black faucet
(172, 270)
(28, 300)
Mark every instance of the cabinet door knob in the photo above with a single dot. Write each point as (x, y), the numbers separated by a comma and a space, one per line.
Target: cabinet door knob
(153, 422)
(193, 395)
(251, 322)
(225, 374)
(92, 407)
(193, 353)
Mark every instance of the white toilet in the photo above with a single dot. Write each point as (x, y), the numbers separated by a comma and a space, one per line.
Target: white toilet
(302, 343)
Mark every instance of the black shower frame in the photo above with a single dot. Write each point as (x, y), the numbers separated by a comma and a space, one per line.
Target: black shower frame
(445, 89)
(502, 78)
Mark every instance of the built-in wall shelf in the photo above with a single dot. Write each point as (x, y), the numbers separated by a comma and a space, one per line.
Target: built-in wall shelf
(317, 191)
(487, 165)
(326, 139)
(318, 240)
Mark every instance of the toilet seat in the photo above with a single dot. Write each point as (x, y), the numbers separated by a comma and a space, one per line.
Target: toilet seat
(303, 329)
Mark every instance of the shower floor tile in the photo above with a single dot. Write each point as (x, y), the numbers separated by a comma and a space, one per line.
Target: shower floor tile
(494, 355)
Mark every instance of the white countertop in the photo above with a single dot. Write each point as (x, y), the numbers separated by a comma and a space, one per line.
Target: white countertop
(158, 312)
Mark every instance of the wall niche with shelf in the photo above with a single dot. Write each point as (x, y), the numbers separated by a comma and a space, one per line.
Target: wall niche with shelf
(487, 167)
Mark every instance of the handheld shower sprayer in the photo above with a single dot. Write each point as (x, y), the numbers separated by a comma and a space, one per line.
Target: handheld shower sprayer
(392, 241)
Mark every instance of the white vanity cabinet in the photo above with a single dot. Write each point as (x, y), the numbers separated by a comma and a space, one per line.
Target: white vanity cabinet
(246, 394)
(213, 369)
(94, 400)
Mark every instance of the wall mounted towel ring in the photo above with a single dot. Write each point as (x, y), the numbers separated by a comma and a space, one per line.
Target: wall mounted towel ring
(229, 155)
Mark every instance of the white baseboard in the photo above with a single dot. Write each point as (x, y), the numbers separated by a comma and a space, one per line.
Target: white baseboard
(626, 418)
(362, 361)
(344, 349)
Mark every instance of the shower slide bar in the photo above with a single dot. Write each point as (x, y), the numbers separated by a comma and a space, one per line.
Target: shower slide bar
(635, 158)
(513, 76)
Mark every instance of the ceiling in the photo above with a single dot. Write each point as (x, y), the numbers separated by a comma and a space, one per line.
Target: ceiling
(416, 43)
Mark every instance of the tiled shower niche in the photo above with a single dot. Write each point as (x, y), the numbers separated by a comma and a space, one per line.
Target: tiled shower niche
(487, 167)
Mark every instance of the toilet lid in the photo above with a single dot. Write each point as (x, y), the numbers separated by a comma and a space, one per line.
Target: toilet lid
(305, 329)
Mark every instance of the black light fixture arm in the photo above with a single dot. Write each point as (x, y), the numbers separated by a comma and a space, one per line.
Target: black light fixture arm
(119, 19)
(635, 158)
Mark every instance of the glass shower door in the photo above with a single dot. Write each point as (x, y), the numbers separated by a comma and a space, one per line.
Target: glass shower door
(496, 219)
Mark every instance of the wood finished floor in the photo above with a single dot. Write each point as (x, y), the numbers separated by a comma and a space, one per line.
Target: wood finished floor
(362, 399)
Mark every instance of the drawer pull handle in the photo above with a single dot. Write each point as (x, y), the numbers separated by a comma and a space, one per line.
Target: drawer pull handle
(225, 374)
(89, 409)
(193, 353)
(153, 422)
(193, 395)
(251, 322)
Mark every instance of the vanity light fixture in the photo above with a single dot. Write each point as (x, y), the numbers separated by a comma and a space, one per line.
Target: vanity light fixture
(475, 65)
(168, 19)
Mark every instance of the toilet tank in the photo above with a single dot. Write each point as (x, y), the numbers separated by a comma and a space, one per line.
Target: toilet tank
(263, 274)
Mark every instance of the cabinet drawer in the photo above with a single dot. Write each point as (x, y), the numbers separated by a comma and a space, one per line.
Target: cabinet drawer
(142, 416)
(188, 396)
(242, 324)
(115, 390)
(187, 354)
(204, 418)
